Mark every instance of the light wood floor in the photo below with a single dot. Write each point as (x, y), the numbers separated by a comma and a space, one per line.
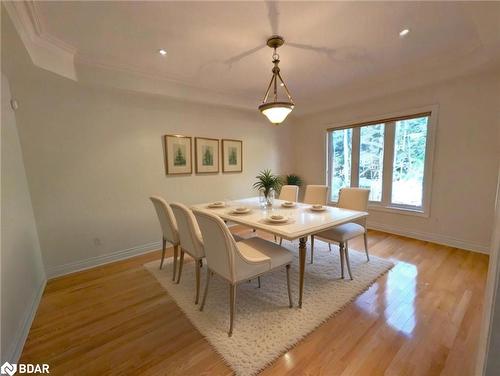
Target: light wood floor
(422, 318)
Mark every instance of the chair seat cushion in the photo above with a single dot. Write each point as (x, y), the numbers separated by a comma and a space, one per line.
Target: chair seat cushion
(343, 232)
(257, 249)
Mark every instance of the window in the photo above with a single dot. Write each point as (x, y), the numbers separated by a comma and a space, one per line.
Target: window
(341, 151)
(391, 157)
(371, 159)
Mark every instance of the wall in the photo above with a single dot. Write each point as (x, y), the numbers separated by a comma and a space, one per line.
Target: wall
(488, 362)
(22, 271)
(465, 161)
(93, 157)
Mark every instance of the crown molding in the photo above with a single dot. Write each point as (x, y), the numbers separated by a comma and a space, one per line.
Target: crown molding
(44, 50)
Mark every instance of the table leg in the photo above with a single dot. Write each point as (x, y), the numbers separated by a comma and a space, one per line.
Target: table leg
(302, 259)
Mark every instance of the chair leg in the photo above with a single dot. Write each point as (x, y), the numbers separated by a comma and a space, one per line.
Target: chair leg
(181, 264)
(281, 241)
(163, 249)
(275, 239)
(366, 245)
(209, 274)
(201, 263)
(232, 308)
(346, 255)
(197, 272)
(176, 254)
(330, 246)
(341, 252)
(288, 285)
(312, 248)
(258, 280)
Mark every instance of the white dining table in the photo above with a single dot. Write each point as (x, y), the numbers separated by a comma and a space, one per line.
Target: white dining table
(302, 222)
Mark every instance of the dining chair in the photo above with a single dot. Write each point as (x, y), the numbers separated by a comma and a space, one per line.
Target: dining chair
(191, 241)
(353, 199)
(238, 262)
(169, 228)
(289, 193)
(316, 194)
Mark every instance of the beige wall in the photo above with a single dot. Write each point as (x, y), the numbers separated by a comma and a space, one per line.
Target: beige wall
(465, 161)
(22, 271)
(94, 156)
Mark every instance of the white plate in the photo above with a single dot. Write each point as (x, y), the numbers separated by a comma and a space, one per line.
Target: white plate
(318, 209)
(217, 205)
(285, 205)
(234, 211)
(283, 219)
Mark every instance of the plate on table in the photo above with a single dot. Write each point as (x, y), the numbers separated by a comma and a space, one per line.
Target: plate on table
(318, 208)
(277, 218)
(217, 204)
(240, 210)
(288, 204)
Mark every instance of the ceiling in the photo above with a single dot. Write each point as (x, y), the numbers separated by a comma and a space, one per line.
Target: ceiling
(216, 50)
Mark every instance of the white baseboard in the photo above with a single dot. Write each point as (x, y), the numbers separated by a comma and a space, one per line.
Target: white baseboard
(59, 270)
(432, 237)
(72, 267)
(13, 353)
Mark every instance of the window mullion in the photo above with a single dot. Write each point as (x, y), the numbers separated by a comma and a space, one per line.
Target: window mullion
(355, 158)
(389, 132)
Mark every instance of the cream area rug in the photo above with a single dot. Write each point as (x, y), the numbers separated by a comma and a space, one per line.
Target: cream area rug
(265, 327)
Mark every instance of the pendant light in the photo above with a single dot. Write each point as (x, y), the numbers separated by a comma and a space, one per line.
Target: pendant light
(276, 111)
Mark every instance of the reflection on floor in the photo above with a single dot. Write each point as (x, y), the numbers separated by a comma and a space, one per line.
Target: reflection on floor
(422, 318)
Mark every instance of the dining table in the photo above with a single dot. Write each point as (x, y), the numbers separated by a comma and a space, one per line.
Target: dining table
(302, 221)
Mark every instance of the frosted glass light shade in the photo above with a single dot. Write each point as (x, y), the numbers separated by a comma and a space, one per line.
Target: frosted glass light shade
(276, 112)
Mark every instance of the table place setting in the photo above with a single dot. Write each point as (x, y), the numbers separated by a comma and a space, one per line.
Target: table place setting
(216, 205)
(289, 204)
(318, 208)
(240, 210)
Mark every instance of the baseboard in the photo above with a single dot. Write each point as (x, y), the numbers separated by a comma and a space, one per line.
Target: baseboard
(15, 350)
(431, 237)
(72, 267)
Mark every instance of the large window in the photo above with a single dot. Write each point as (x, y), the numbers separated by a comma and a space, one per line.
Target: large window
(390, 157)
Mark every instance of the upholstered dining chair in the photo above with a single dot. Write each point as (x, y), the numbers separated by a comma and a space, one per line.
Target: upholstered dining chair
(289, 193)
(191, 241)
(169, 228)
(353, 199)
(238, 262)
(316, 194)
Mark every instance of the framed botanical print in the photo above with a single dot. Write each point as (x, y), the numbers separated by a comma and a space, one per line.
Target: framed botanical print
(178, 155)
(232, 156)
(206, 151)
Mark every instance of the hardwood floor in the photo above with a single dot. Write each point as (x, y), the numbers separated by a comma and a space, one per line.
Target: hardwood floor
(422, 318)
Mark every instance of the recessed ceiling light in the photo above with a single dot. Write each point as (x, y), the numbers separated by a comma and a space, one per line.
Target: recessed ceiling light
(162, 52)
(403, 32)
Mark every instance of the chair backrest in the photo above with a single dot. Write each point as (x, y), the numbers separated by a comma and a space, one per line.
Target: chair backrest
(354, 199)
(316, 194)
(289, 193)
(167, 219)
(189, 232)
(218, 243)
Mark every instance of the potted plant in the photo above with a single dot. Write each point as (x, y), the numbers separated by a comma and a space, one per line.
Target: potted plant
(293, 179)
(268, 183)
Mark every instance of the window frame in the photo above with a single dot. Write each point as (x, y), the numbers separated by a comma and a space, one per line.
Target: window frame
(390, 120)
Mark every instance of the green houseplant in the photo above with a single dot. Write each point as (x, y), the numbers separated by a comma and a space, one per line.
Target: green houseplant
(293, 179)
(268, 183)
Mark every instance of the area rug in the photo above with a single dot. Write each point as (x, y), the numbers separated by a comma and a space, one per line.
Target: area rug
(265, 327)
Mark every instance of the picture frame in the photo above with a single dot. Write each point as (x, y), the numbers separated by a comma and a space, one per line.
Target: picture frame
(178, 152)
(206, 151)
(232, 155)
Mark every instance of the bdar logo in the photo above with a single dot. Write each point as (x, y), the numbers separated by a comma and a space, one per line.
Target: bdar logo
(8, 369)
